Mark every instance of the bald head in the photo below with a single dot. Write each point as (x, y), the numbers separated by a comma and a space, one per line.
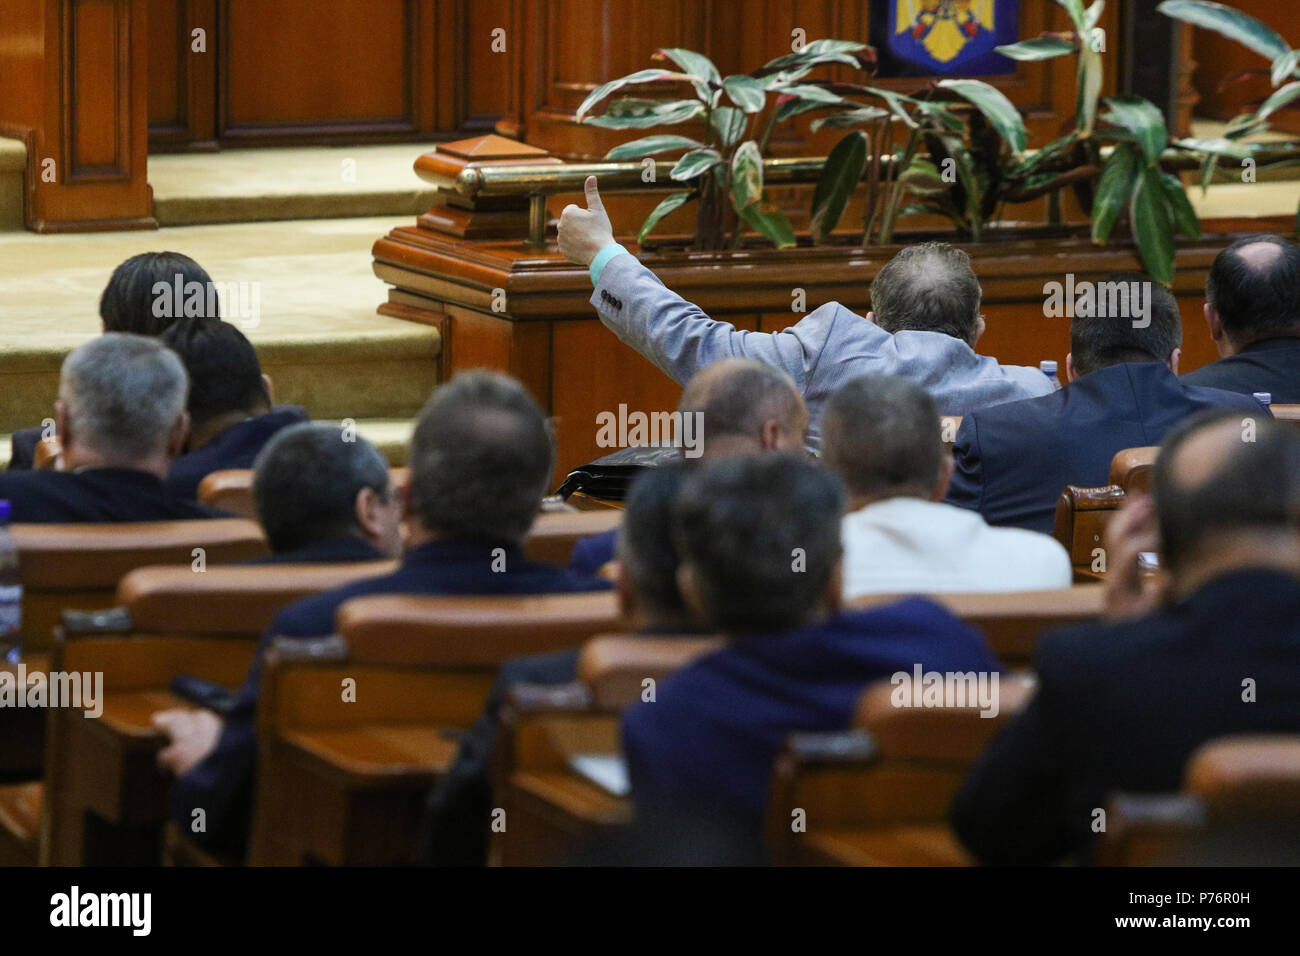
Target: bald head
(746, 406)
(1253, 288)
(1224, 474)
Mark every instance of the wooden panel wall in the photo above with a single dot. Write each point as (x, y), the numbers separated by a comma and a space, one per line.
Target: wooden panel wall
(574, 45)
(285, 69)
(182, 73)
(283, 72)
(72, 86)
(1218, 59)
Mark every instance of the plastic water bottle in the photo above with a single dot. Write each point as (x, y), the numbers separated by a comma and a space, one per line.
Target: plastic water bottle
(1264, 398)
(1048, 368)
(11, 590)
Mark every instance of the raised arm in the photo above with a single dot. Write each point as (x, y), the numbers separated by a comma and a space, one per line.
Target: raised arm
(676, 335)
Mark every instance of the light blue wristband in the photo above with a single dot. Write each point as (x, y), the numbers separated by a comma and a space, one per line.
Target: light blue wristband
(602, 257)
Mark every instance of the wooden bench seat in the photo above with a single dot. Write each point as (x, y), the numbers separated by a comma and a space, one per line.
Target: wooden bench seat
(20, 822)
(553, 812)
(878, 794)
(922, 844)
(108, 799)
(422, 667)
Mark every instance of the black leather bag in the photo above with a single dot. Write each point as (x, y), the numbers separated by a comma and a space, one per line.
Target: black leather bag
(609, 478)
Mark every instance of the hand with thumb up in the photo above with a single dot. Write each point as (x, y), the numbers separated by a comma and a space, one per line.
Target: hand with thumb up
(584, 232)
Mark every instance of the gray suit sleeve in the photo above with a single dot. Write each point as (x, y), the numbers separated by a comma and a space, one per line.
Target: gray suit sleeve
(680, 339)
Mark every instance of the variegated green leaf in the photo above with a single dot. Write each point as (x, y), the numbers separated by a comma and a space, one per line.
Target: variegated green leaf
(746, 92)
(746, 175)
(673, 201)
(694, 163)
(649, 145)
(1228, 22)
(640, 76)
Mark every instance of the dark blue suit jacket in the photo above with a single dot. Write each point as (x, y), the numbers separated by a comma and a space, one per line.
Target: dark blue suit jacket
(1123, 706)
(702, 752)
(593, 552)
(22, 448)
(95, 495)
(236, 447)
(222, 784)
(1014, 460)
(1271, 365)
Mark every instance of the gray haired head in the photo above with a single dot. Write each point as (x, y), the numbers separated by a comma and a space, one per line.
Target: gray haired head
(122, 396)
(481, 459)
(306, 481)
(881, 435)
(928, 288)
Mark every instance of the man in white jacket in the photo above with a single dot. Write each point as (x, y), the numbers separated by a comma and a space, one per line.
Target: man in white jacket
(881, 436)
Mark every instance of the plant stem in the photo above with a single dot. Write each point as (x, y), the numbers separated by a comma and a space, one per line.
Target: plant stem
(896, 197)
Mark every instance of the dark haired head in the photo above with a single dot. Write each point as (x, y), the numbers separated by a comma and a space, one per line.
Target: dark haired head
(306, 481)
(1220, 472)
(481, 459)
(928, 288)
(1132, 318)
(1254, 286)
(134, 300)
(759, 537)
(881, 435)
(225, 376)
(645, 543)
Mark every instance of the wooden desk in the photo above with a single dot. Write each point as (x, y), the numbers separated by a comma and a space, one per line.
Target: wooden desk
(366, 788)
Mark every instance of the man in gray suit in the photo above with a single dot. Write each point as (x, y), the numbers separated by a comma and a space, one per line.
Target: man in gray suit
(924, 325)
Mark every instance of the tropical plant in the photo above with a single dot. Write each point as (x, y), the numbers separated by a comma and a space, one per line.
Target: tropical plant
(961, 144)
(959, 134)
(1284, 76)
(727, 163)
(1119, 148)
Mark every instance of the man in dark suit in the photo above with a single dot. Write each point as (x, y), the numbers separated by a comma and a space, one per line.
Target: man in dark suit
(231, 415)
(742, 406)
(1121, 706)
(324, 496)
(460, 806)
(1012, 461)
(481, 460)
(130, 303)
(121, 415)
(1252, 306)
(760, 549)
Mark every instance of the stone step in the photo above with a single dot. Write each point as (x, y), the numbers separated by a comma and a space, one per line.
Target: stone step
(318, 182)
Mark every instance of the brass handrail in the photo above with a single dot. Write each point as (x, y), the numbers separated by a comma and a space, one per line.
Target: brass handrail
(538, 181)
(528, 179)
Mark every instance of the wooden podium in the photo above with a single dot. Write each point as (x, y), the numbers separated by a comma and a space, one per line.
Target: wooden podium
(500, 302)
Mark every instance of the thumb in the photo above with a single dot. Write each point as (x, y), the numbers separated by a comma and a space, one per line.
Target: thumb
(594, 202)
